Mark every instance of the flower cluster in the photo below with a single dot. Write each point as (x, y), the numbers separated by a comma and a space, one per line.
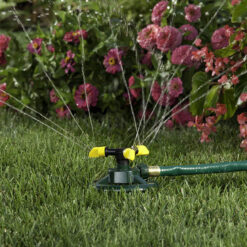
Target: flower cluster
(75, 36)
(68, 63)
(4, 43)
(158, 12)
(192, 13)
(207, 127)
(242, 120)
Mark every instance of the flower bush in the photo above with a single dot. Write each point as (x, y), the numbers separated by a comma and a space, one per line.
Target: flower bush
(99, 61)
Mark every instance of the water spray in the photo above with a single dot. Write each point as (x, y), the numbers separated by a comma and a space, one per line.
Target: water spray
(128, 178)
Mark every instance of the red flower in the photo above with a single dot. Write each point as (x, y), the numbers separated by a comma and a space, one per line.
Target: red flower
(3, 96)
(180, 116)
(190, 31)
(220, 39)
(4, 43)
(243, 130)
(158, 11)
(223, 79)
(240, 35)
(234, 2)
(243, 97)
(75, 36)
(53, 96)
(175, 87)
(168, 38)
(135, 92)
(183, 55)
(85, 96)
(235, 80)
(2, 59)
(198, 42)
(192, 13)
(68, 63)
(169, 124)
(35, 46)
(219, 110)
(147, 37)
(112, 61)
(242, 118)
(63, 112)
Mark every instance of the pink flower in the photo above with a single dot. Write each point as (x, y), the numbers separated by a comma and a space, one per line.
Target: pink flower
(219, 110)
(147, 37)
(159, 95)
(189, 32)
(4, 43)
(243, 97)
(35, 46)
(219, 39)
(234, 2)
(182, 117)
(158, 11)
(84, 102)
(235, 80)
(198, 42)
(53, 96)
(75, 36)
(242, 118)
(146, 59)
(240, 35)
(175, 87)
(50, 48)
(223, 79)
(169, 124)
(63, 112)
(3, 96)
(183, 55)
(2, 59)
(244, 144)
(112, 61)
(68, 63)
(192, 13)
(168, 38)
(135, 92)
(243, 130)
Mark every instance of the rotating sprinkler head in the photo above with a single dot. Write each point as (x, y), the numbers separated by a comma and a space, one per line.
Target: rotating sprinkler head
(123, 176)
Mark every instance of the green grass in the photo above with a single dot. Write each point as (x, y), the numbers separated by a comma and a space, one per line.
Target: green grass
(47, 196)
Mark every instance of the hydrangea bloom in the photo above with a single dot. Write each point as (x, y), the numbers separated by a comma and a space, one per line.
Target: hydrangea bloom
(135, 92)
(4, 43)
(183, 55)
(158, 11)
(175, 87)
(168, 38)
(219, 39)
(160, 96)
(35, 46)
(68, 63)
(3, 96)
(53, 96)
(190, 31)
(192, 13)
(75, 36)
(112, 61)
(147, 37)
(180, 116)
(63, 112)
(83, 91)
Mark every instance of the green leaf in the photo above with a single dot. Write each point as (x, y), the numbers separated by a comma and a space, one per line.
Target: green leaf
(239, 12)
(199, 88)
(230, 101)
(212, 97)
(225, 52)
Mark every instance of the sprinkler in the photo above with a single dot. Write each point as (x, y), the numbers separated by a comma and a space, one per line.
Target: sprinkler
(128, 178)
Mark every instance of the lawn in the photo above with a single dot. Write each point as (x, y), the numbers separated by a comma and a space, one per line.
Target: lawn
(48, 198)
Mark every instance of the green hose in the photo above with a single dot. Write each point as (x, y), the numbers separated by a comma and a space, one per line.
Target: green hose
(197, 169)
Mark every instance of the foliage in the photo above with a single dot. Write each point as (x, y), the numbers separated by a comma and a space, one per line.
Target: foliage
(31, 76)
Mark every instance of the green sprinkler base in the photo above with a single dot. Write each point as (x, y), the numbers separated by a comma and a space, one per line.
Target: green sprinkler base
(138, 183)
